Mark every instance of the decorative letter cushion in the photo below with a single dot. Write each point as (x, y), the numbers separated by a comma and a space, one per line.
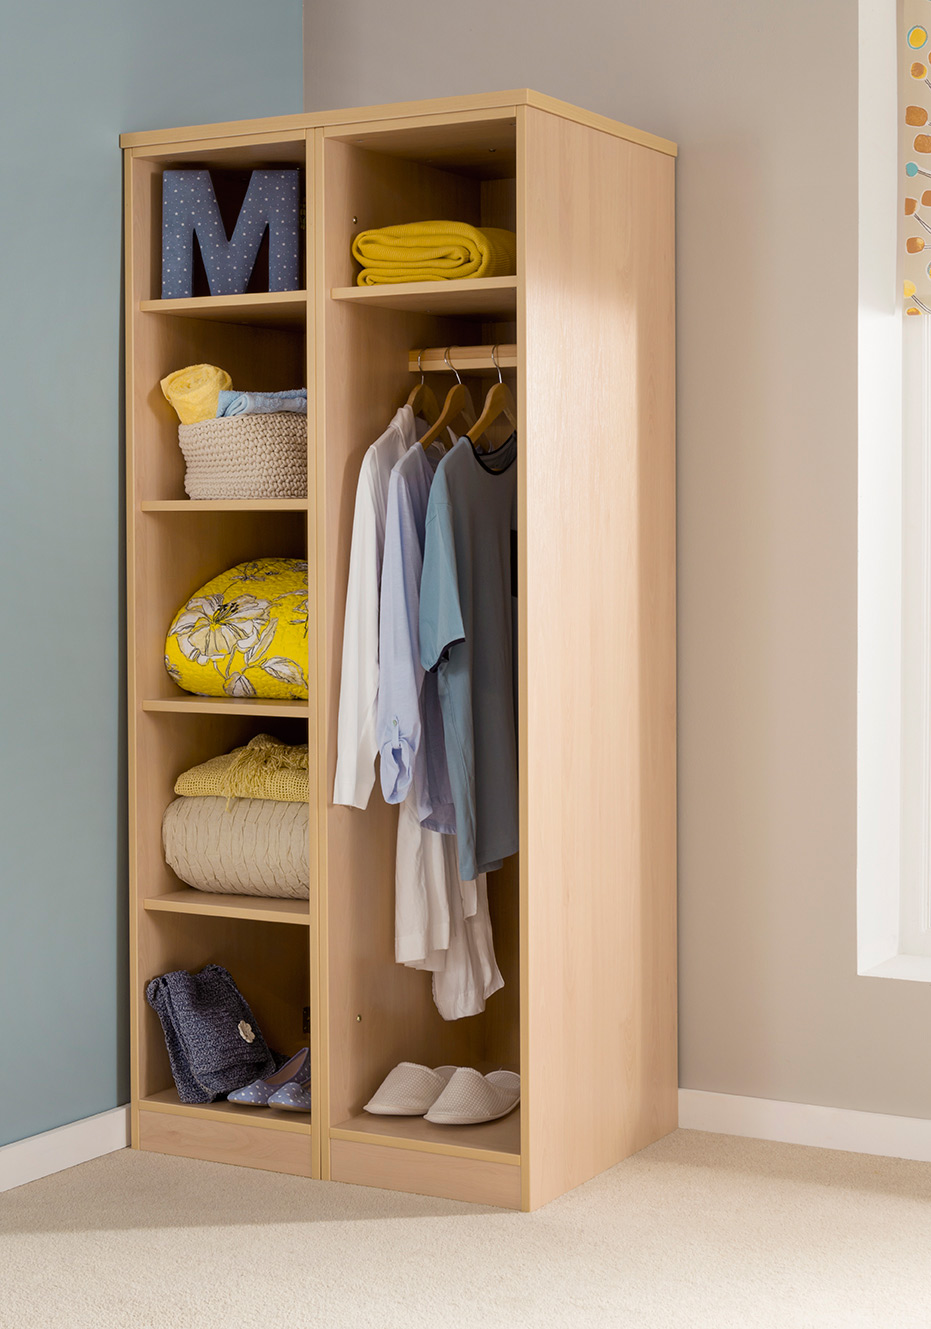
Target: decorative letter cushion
(250, 846)
(189, 207)
(244, 634)
(264, 768)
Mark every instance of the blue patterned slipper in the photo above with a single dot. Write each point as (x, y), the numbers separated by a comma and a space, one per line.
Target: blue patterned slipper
(259, 1092)
(292, 1097)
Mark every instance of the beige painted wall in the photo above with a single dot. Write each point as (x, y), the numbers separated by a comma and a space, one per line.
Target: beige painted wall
(762, 99)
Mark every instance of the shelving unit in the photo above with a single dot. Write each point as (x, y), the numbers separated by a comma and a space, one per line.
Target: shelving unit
(584, 916)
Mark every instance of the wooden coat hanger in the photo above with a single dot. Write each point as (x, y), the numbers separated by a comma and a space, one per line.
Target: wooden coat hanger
(499, 401)
(457, 401)
(422, 400)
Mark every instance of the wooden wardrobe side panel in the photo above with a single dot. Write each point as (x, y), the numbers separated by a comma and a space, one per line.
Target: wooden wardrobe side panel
(598, 587)
(131, 258)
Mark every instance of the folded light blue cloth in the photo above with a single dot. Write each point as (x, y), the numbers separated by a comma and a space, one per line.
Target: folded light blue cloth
(261, 403)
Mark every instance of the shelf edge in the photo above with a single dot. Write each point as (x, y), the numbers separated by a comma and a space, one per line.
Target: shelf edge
(224, 505)
(156, 905)
(425, 1146)
(206, 706)
(204, 1112)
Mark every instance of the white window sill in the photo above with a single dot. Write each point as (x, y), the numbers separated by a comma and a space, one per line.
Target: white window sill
(915, 968)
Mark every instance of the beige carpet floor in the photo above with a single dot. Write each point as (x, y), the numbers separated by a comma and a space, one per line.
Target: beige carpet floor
(698, 1230)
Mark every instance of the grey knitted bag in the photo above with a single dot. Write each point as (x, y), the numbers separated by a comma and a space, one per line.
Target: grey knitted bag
(214, 1044)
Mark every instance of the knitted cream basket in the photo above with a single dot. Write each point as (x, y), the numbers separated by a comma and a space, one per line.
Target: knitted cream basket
(246, 456)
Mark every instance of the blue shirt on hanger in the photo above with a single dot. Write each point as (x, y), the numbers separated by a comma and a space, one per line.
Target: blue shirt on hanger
(466, 636)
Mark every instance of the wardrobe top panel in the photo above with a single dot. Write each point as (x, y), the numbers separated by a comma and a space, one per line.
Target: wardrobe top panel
(243, 152)
(148, 143)
(482, 144)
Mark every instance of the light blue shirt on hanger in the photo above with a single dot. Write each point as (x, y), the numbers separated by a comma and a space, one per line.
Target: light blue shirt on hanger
(409, 723)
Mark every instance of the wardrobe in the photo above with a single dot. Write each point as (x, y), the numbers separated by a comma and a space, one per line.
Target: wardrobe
(584, 915)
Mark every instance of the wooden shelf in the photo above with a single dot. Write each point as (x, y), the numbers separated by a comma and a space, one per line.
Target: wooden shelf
(228, 706)
(224, 505)
(167, 1100)
(270, 309)
(494, 1141)
(258, 908)
(483, 297)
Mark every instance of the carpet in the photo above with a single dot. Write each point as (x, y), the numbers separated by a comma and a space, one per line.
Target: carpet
(698, 1230)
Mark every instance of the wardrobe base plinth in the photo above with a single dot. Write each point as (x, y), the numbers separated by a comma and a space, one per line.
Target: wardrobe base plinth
(416, 1172)
(219, 1142)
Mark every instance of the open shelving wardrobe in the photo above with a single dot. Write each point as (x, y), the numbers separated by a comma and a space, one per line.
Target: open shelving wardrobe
(584, 916)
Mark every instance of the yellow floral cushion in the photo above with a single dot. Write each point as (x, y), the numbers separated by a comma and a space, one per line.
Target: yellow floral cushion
(244, 634)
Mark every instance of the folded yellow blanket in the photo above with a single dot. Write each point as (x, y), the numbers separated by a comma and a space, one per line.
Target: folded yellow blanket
(433, 251)
(194, 391)
(264, 768)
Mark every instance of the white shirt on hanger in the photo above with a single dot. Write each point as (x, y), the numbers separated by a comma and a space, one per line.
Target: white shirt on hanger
(442, 919)
(356, 744)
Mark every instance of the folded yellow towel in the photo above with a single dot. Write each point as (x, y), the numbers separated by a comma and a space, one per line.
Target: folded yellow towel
(194, 391)
(264, 768)
(433, 251)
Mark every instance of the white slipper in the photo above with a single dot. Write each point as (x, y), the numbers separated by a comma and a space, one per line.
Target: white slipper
(471, 1097)
(409, 1090)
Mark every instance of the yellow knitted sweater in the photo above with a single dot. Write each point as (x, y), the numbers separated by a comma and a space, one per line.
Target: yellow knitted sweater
(264, 768)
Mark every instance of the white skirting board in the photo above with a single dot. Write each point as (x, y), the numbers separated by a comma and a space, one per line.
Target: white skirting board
(806, 1123)
(725, 1114)
(64, 1147)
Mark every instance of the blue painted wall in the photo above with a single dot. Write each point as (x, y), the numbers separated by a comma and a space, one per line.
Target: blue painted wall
(71, 79)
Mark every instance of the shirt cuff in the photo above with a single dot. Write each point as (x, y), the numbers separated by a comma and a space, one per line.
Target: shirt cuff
(397, 767)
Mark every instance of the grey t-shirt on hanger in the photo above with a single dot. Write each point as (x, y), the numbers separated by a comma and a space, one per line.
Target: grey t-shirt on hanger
(466, 635)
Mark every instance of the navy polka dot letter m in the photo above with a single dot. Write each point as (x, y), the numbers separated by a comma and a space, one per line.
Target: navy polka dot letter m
(189, 208)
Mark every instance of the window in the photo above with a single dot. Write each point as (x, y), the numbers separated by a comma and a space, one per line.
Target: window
(894, 522)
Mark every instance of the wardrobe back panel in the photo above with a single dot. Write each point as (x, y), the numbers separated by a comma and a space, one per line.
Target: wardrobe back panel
(597, 726)
(268, 961)
(366, 376)
(500, 1023)
(499, 204)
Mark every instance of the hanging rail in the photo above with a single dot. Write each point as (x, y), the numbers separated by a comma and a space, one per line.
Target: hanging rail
(467, 359)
